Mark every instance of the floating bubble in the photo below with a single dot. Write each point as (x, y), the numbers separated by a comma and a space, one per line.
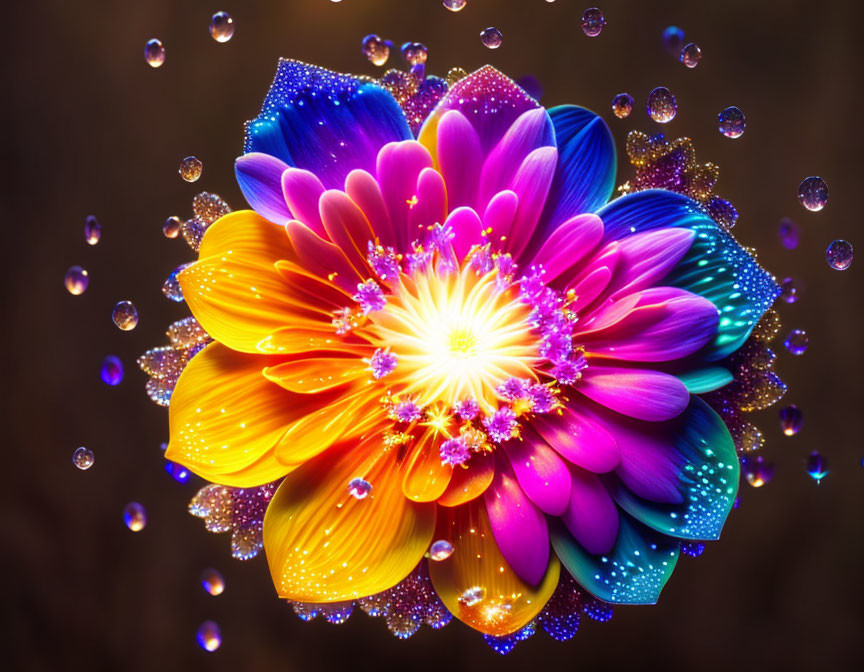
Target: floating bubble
(491, 37)
(622, 105)
(455, 5)
(171, 227)
(757, 472)
(77, 280)
(472, 596)
(789, 232)
(691, 54)
(135, 516)
(817, 466)
(789, 290)
(359, 488)
(813, 193)
(593, 22)
(222, 26)
(440, 550)
(838, 255)
(796, 342)
(673, 40)
(375, 49)
(83, 458)
(154, 53)
(209, 636)
(212, 581)
(791, 419)
(171, 287)
(414, 52)
(191, 168)
(92, 230)
(662, 106)
(177, 471)
(112, 370)
(125, 315)
(455, 74)
(731, 122)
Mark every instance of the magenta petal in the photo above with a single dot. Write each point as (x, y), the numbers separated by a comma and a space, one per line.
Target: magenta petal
(591, 515)
(301, 190)
(518, 526)
(541, 473)
(569, 244)
(346, 226)
(590, 287)
(646, 258)
(499, 216)
(431, 206)
(639, 393)
(467, 230)
(260, 180)
(579, 439)
(399, 167)
(606, 257)
(363, 189)
(460, 158)
(531, 184)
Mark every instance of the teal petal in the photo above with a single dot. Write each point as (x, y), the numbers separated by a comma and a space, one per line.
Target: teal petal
(700, 381)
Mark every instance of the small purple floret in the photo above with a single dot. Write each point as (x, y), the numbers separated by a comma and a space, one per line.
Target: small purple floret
(542, 398)
(407, 411)
(369, 296)
(467, 409)
(514, 388)
(382, 362)
(501, 424)
(454, 451)
(568, 371)
(384, 261)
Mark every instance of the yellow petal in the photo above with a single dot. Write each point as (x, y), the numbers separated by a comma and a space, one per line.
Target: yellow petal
(293, 340)
(476, 584)
(324, 545)
(428, 137)
(470, 481)
(318, 374)
(426, 478)
(246, 233)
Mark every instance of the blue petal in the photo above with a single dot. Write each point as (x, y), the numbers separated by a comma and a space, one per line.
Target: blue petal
(325, 122)
(707, 479)
(708, 379)
(716, 267)
(634, 572)
(260, 180)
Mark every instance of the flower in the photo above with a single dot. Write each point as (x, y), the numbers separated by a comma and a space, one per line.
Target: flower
(538, 351)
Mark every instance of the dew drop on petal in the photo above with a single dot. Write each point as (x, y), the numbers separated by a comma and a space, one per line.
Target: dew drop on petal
(414, 52)
(789, 290)
(154, 53)
(455, 5)
(817, 466)
(440, 550)
(171, 227)
(813, 193)
(757, 472)
(662, 106)
(622, 105)
(222, 26)
(83, 458)
(135, 516)
(593, 22)
(455, 74)
(177, 471)
(209, 636)
(125, 315)
(472, 596)
(731, 122)
(92, 230)
(491, 37)
(791, 419)
(375, 49)
(212, 581)
(76, 280)
(171, 287)
(191, 168)
(839, 255)
(111, 371)
(788, 231)
(691, 54)
(796, 342)
(359, 488)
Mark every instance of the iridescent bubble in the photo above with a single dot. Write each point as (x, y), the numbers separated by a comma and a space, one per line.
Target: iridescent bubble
(731, 122)
(212, 581)
(111, 371)
(839, 255)
(92, 230)
(791, 419)
(813, 193)
(789, 232)
(662, 106)
(757, 472)
(673, 40)
(691, 54)
(359, 488)
(171, 287)
(796, 342)
(209, 636)
(83, 458)
(191, 168)
(171, 227)
(77, 280)
(472, 596)
(817, 466)
(789, 290)
(440, 550)
(491, 37)
(622, 105)
(414, 52)
(455, 74)
(135, 516)
(154, 53)
(375, 49)
(593, 22)
(125, 315)
(177, 471)
(222, 26)
(455, 5)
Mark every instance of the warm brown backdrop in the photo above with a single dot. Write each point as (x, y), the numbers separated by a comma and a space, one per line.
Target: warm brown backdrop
(91, 128)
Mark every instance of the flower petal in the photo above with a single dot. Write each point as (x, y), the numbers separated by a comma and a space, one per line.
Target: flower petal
(398, 169)
(591, 515)
(569, 244)
(541, 473)
(639, 393)
(579, 439)
(469, 481)
(363, 189)
(499, 216)
(301, 191)
(322, 258)
(460, 158)
(260, 179)
(425, 477)
(647, 257)
(431, 205)
(467, 230)
(346, 227)
(531, 184)
(317, 374)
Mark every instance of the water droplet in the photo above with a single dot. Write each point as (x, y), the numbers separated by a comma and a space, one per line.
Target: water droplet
(662, 106)
(491, 37)
(177, 471)
(789, 290)
(440, 550)
(171, 287)
(359, 488)
(125, 315)
(135, 516)
(673, 40)
(757, 472)
(77, 280)
(414, 52)
(817, 466)
(112, 370)
(83, 458)
(209, 636)
(691, 54)
(212, 581)
(171, 227)
(796, 342)
(593, 22)
(191, 168)
(92, 230)
(622, 105)
(455, 74)
(154, 53)
(813, 193)
(731, 122)
(789, 232)
(839, 255)
(222, 26)
(472, 596)
(375, 49)
(455, 5)
(791, 419)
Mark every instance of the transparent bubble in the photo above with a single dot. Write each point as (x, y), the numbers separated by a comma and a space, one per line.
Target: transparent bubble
(817, 466)
(171, 227)
(788, 232)
(209, 636)
(359, 488)
(440, 550)
(491, 37)
(77, 280)
(813, 193)
(691, 54)
(92, 230)
(791, 419)
(414, 52)
(757, 472)
(472, 596)
(171, 287)
(673, 40)
(135, 516)
(789, 290)
(731, 122)
(111, 372)
(191, 169)
(212, 581)
(83, 458)
(455, 74)
(222, 26)
(154, 53)
(662, 106)
(839, 255)
(593, 22)
(125, 315)
(454, 5)
(177, 471)
(796, 342)
(375, 49)
(622, 105)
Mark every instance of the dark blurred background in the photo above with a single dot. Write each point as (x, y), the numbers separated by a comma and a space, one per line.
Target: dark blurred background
(90, 128)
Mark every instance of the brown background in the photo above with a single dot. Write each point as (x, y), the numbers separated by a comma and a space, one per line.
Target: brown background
(91, 128)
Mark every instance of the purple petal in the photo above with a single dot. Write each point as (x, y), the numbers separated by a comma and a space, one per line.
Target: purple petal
(579, 439)
(646, 258)
(499, 216)
(541, 473)
(531, 184)
(467, 230)
(260, 180)
(460, 158)
(639, 393)
(399, 167)
(301, 190)
(569, 244)
(591, 514)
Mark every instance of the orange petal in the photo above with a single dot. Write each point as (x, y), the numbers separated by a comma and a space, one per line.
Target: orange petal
(323, 545)
(293, 340)
(318, 374)
(248, 234)
(426, 478)
(476, 584)
(469, 482)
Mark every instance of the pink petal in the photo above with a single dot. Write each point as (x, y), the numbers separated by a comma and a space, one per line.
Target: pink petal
(499, 216)
(363, 189)
(431, 206)
(541, 473)
(579, 439)
(531, 184)
(590, 287)
(459, 158)
(467, 230)
(346, 226)
(399, 167)
(646, 258)
(569, 244)
(301, 191)
(591, 514)
(259, 176)
(639, 393)
(322, 258)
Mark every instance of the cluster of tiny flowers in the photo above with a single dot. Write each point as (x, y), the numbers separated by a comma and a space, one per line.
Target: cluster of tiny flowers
(455, 451)
(406, 411)
(384, 261)
(382, 363)
(369, 296)
(467, 409)
(502, 424)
